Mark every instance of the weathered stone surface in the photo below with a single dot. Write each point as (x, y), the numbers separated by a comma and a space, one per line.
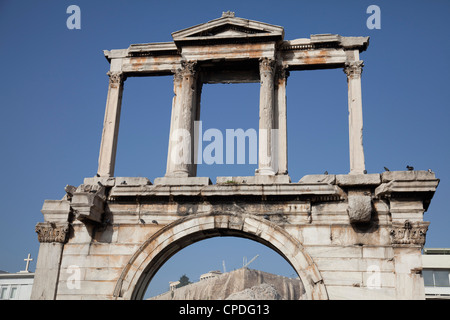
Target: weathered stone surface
(52, 232)
(261, 292)
(407, 175)
(182, 181)
(47, 271)
(318, 178)
(231, 209)
(358, 179)
(408, 233)
(88, 202)
(112, 181)
(241, 284)
(398, 186)
(258, 179)
(56, 210)
(119, 231)
(359, 207)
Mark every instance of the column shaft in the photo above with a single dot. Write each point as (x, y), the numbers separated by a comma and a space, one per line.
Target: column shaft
(281, 123)
(108, 147)
(266, 160)
(180, 159)
(355, 117)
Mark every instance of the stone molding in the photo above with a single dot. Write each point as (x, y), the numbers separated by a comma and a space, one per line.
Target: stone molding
(353, 69)
(88, 203)
(408, 233)
(52, 232)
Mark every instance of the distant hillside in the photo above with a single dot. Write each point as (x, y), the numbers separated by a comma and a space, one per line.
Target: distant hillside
(241, 284)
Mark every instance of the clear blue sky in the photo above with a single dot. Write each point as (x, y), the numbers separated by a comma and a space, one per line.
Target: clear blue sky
(53, 88)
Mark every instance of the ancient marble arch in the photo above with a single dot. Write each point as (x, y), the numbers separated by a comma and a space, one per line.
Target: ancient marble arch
(337, 231)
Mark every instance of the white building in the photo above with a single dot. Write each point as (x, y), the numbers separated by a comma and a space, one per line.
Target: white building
(16, 286)
(211, 274)
(436, 273)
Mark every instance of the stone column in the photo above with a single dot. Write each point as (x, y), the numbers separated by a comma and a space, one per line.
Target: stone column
(353, 70)
(177, 79)
(266, 160)
(181, 142)
(108, 147)
(281, 123)
(52, 237)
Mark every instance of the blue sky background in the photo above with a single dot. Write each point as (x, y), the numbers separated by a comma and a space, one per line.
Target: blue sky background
(53, 88)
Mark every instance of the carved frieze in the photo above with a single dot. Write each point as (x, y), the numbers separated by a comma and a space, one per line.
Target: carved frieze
(52, 232)
(408, 233)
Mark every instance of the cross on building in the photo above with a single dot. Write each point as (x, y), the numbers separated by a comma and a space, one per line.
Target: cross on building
(28, 259)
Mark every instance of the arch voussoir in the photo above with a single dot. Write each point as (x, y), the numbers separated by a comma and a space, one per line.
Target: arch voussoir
(156, 250)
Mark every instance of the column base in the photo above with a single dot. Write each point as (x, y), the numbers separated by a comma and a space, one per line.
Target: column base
(182, 181)
(265, 172)
(262, 179)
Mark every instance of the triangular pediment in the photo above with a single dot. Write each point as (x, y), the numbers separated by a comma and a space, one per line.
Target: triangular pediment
(228, 27)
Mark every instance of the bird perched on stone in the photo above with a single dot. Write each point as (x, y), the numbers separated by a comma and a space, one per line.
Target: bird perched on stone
(386, 169)
(410, 168)
(154, 221)
(326, 172)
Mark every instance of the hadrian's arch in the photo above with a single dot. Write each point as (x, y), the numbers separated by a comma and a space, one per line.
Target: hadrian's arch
(334, 229)
(174, 237)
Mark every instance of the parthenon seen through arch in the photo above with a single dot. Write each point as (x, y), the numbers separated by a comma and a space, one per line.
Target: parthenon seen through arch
(232, 50)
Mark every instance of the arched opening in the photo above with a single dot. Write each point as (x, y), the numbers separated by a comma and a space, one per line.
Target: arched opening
(234, 264)
(154, 252)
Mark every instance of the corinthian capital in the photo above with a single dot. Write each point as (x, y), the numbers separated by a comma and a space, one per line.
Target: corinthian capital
(354, 68)
(266, 65)
(188, 68)
(52, 232)
(408, 233)
(116, 77)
